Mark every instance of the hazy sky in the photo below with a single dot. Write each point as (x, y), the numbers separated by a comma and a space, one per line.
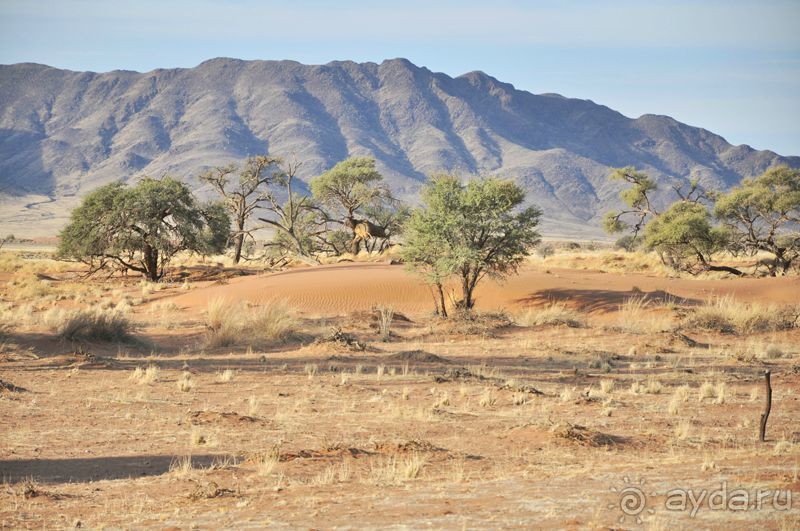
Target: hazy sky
(730, 66)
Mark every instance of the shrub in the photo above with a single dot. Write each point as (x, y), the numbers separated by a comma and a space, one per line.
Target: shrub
(94, 325)
(231, 323)
(726, 314)
(555, 313)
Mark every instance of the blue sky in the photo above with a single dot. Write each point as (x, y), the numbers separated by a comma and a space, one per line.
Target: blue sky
(731, 66)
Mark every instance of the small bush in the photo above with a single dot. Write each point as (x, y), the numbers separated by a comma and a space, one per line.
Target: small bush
(232, 324)
(385, 316)
(94, 325)
(727, 315)
(545, 250)
(628, 243)
(635, 316)
(185, 383)
(555, 313)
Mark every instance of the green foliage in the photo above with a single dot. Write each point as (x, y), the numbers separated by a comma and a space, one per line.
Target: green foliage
(763, 215)
(349, 186)
(352, 188)
(629, 243)
(613, 224)
(684, 237)
(469, 231)
(142, 227)
(637, 195)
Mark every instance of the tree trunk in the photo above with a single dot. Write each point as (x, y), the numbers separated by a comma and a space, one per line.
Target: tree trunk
(237, 255)
(466, 290)
(441, 299)
(151, 263)
(762, 428)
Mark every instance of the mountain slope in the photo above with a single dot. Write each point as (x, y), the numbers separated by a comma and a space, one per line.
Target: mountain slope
(63, 133)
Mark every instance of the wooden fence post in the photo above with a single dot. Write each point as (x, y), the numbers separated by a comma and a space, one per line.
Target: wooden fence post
(767, 407)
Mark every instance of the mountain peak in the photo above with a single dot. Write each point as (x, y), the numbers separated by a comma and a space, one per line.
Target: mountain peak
(62, 133)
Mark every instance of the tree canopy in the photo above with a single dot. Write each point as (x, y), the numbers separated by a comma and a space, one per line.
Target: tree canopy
(763, 214)
(141, 228)
(469, 231)
(685, 239)
(354, 187)
(243, 190)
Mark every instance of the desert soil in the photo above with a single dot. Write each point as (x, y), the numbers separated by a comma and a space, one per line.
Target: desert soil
(477, 425)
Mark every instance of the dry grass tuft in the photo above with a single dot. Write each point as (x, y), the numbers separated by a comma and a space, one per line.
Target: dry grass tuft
(181, 466)
(706, 391)
(185, 383)
(729, 316)
(396, 469)
(232, 324)
(636, 315)
(226, 376)
(472, 323)
(554, 314)
(146, 376)
(265, 462)
(683, 429)
(385, 316)
(488, 398)
(91, 325)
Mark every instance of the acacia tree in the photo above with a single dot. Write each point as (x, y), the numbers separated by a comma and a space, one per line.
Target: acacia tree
(763, 214)
(349, 188)
(243, 190)
(141, 228)
(685, 239)
(683, 236)
(637, 199)
(299, 223)
(391, 218)
(469, 231)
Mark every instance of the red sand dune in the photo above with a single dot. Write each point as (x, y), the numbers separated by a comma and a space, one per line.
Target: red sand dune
(342, 288)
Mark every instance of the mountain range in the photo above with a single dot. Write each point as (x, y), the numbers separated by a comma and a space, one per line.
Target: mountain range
(63, 133)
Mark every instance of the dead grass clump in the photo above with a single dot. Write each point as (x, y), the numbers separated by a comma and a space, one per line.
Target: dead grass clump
(226, 376)
(554, 314)
(637, 315)
(92, 325)
(185, 383)
(385, 316)
(25, 285)
(418, 356)
(611, 262)
(146, 376)
(204, 491)
(11, 388)
(181, 466)
(396, 469)
(727, 315)
(232, 324)
(471, 323)
(341, 341)
(583, 435)
(265, 462)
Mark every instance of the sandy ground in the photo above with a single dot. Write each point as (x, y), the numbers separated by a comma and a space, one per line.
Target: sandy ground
(493, 426)
(342, 288)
